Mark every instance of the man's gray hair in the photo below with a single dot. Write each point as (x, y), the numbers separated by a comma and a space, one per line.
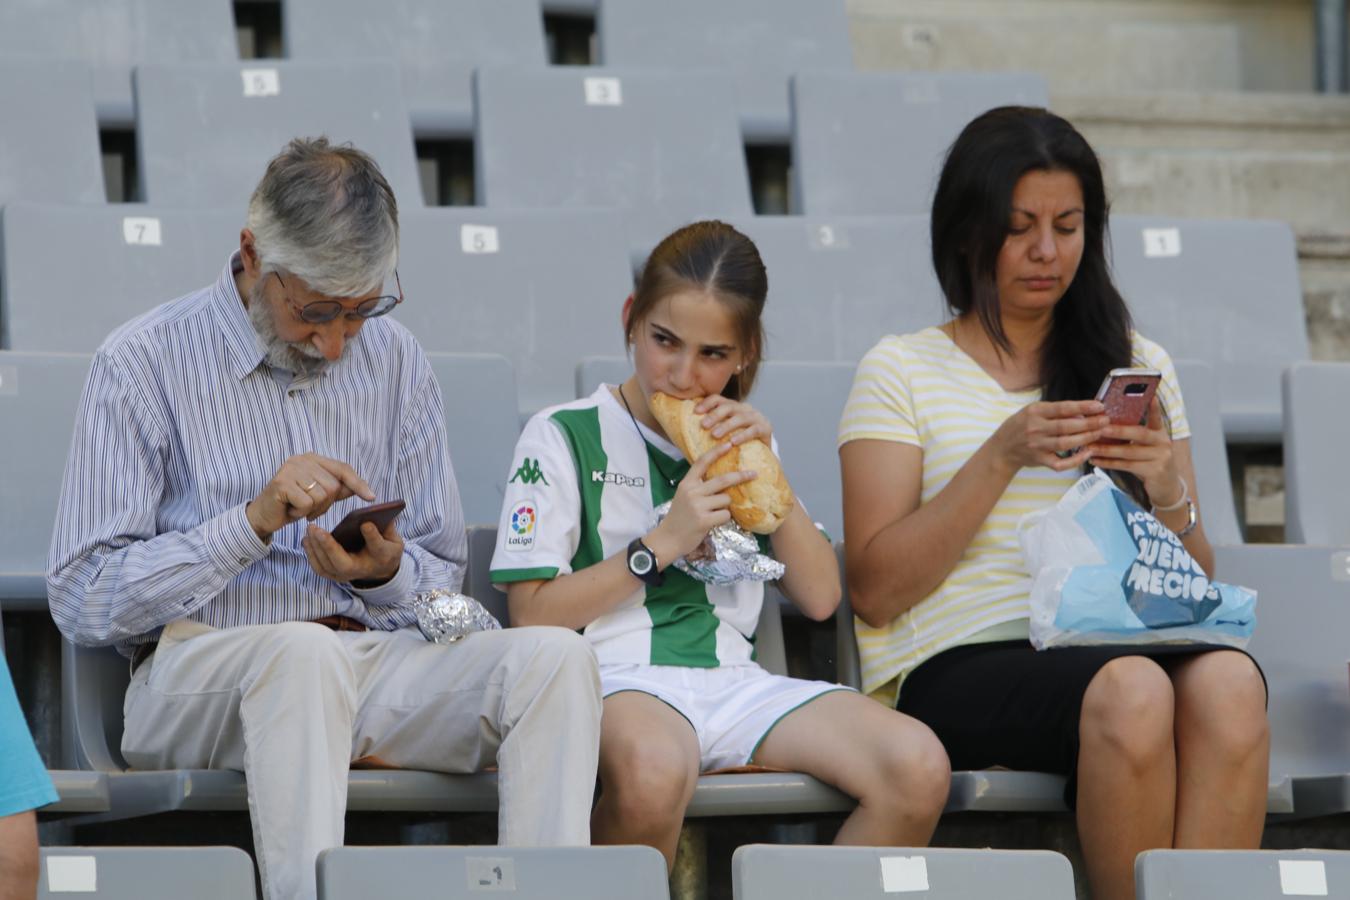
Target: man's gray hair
(325, 214)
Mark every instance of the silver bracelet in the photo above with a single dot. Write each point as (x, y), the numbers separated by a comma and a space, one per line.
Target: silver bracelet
(1185, 498)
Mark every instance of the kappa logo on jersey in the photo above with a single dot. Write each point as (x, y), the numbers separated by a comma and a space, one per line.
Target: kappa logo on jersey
(524, 526)
(599, 475)
(530, 472)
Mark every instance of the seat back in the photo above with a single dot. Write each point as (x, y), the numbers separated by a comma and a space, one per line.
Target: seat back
(665, 149)
(873, 142)
(50, 148)
(770, 872)
(93, 685)
(437, 44)
(1241, 874)
(130, 258)
(838, 283)
(207, 131)
(541, 288)
(1301, 620)
(761, 42)
(479, 390)
(1316, 491)
(39, 395)
(147, 873)
(112, 36)
(803, 401)
(1209, 453)
(1223, 292)
(526, 873)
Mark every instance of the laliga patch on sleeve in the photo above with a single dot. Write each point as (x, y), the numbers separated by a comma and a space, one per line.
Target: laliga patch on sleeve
(904, 874)
(523, 526)
(1303, 878)
(72, 874)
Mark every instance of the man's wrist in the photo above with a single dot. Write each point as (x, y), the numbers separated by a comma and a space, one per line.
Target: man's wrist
(263, 534)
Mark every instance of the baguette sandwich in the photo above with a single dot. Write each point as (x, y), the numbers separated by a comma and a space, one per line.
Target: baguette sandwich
(759, 505)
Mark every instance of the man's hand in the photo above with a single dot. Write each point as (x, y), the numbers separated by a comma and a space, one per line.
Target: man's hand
(377, 561)
(304, 488)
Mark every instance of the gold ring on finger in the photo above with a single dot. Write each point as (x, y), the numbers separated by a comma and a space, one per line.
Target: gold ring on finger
(310, 486)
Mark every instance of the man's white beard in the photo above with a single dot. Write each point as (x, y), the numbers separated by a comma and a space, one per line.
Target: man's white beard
(300, 358)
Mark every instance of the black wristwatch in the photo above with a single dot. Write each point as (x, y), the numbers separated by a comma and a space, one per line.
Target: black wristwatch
(642, 563)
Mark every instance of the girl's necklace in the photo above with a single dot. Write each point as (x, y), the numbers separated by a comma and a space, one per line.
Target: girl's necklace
(651, 457)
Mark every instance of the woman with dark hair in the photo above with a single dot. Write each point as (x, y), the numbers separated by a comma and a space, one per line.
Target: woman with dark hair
(953, 433)
(578, 547)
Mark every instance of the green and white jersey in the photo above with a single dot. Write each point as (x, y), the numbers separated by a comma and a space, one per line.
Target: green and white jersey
(582, 485)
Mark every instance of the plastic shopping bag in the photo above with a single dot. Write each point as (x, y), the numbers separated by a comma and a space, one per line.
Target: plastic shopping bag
(1106, 571)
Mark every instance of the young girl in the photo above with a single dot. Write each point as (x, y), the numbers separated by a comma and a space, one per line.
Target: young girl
(576, 544)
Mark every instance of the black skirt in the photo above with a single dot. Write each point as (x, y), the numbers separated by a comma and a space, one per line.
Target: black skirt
(1007, 704)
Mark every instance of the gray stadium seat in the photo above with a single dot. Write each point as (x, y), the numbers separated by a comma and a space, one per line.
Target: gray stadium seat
(525, 873)
(130, 258)
(770, 872)
(39, 394)
(479, 391)
(798, 398)
(838, 283)
(761, 42)
(1001, 790)
(1225, 292)
(147, 873)
(206, 131)
(111, 36)
(1241, 874)
(542, 288)
(1301, 621)
(437, 43)
(1316, 491)
(665, 148)
(727, 794)
(873, 142)
(50, 150)
(93, 684)
(1209, 454)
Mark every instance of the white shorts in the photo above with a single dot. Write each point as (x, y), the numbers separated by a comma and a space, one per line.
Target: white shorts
(731, 708)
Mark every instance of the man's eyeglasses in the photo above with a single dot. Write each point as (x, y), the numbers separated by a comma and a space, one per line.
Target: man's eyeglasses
(321, 311)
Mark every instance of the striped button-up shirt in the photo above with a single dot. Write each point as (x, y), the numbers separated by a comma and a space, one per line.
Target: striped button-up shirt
(182, 424)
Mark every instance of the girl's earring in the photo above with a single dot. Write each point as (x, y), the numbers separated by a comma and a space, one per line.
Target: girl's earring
(738, 370)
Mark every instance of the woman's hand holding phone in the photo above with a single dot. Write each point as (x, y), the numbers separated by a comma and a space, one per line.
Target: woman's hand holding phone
(1144, 451)
(1038, 433)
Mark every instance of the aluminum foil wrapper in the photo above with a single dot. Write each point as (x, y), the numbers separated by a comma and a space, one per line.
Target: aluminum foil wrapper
(446, 617)
(727, 555)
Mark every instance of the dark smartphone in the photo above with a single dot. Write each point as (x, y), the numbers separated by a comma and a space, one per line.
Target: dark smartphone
(1126, 394)
(348, 531)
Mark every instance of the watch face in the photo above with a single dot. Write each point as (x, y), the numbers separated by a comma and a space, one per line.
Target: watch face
(640, 562)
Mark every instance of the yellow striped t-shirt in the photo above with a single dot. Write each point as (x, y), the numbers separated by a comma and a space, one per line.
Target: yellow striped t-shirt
(922, 389)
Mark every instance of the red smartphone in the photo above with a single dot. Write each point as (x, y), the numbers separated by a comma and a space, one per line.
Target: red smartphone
(348, 531)
(1126, 394)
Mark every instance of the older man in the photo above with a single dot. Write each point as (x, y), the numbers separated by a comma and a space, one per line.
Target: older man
(220, 437)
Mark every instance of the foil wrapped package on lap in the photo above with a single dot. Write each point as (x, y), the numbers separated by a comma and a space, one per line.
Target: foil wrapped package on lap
(727, 555)
(446, 617)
